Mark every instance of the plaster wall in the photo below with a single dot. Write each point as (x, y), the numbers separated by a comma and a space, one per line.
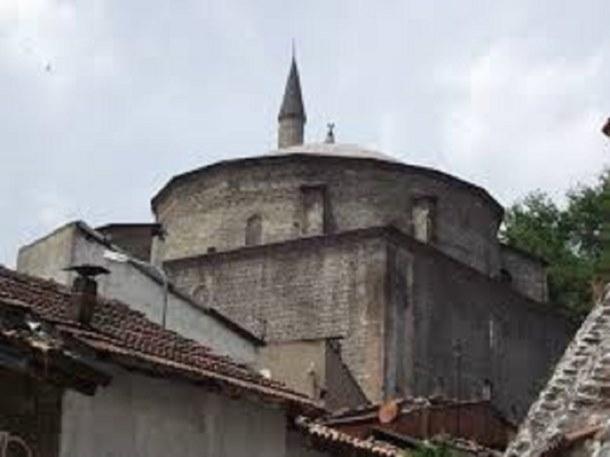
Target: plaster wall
(131, 285)
(298, 445)
(209, 209)
(48, 256)
(315, 368)
(138, 415)
(301, 365)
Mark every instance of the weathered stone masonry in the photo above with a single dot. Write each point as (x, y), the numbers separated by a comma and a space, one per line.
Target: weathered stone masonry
(209, 208)
(401, 262)
(305, 289)
(399, 306)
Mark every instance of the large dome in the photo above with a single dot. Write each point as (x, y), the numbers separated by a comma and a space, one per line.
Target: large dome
(334, 150)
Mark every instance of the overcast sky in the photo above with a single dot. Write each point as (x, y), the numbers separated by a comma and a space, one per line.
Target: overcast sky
(103, 101)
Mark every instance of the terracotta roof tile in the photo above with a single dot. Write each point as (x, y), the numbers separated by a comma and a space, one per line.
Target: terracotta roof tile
(117, 330)
(328, 437)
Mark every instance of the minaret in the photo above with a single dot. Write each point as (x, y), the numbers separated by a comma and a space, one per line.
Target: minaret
(292, 116)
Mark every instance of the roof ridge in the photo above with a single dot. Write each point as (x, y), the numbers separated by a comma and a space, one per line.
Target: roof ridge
(117, 328)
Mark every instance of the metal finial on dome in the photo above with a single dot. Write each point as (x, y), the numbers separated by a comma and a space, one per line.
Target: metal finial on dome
(330, 134)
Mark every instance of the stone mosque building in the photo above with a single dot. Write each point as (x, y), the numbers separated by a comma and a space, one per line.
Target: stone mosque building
(398, 266)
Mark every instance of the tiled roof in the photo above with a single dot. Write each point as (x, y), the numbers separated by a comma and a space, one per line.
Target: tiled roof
(360, 431)
(577, 397)
(128, 338)
(154, 275)
(480, 423)
(329, 438)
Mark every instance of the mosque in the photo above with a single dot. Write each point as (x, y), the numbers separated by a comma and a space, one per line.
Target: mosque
(397, 266)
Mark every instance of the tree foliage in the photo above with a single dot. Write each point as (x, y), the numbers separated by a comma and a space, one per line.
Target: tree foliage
(432, 450)
(574, 239)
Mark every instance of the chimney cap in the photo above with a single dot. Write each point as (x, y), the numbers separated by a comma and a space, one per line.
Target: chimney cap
(88, 270)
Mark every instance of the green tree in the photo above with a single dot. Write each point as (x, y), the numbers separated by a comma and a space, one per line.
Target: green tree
(575, 240)
(432, 450)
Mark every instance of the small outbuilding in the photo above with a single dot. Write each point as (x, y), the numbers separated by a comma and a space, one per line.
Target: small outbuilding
(85, 376)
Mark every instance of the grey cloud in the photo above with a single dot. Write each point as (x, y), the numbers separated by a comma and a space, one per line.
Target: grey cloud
(140, 90)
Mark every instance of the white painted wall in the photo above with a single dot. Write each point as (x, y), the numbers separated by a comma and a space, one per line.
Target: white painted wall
(48, 256)
(129, 284)
(140, 416)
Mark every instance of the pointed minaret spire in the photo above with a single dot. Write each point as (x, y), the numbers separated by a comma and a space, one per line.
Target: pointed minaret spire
(292, 116)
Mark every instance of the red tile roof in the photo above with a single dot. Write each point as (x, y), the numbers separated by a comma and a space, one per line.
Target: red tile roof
(128, 338)
(383, 443)
(328, 438)
(425, 418)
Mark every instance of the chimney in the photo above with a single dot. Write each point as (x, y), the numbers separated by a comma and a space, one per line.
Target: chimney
(84, 292)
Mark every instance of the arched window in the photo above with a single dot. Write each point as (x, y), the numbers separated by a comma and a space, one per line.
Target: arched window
(254, 230)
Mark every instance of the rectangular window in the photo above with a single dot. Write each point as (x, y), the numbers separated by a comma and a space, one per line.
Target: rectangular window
(254, 230)
(424, 219)
(313, 201)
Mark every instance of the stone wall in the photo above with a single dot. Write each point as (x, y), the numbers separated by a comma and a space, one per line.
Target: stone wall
(306, 289)
(471, 330)
(136, 239)
(342, 390)
(526, 273)
(209, 209)
(399, 305)
(571, 417)
(399, 323)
